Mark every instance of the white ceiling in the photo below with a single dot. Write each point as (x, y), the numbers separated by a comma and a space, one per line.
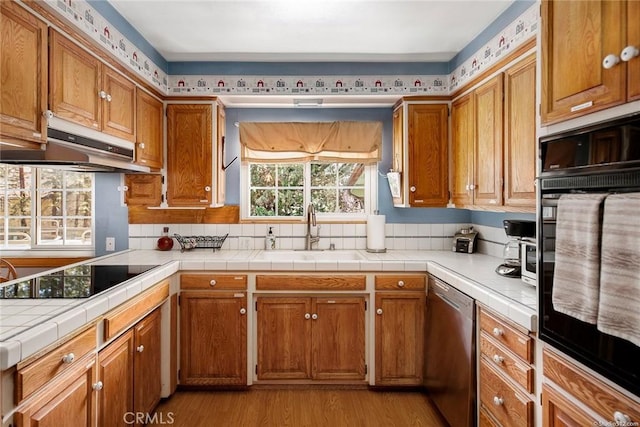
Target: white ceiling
(310, 30)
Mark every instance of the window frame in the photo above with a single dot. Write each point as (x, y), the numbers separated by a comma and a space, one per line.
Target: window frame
(36, 218)
(370, 196)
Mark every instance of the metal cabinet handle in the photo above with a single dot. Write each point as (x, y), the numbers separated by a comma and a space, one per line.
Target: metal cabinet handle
(629, 52)
(498, 359)
(98, 386)
(401, 283)
(140, 348)
(314, 316)
(498, 401)
(212, 282)
(497, 332)
(243, 310)
(307, 316)
(68, 358)
(379, 311)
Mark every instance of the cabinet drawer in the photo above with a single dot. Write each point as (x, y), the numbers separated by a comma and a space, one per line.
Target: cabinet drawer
(309, 282)
(487, 420)
(33, 376)
(122, 318)
(213, 281)
(401, 282)
(502, 400)
(507, 363)
(516, 341)
(597, 395)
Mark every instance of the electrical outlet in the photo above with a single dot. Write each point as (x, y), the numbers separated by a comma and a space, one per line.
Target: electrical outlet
(244, 243)
(111, 244)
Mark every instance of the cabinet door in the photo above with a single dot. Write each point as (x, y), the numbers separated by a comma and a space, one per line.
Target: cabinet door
(67, 402)
(576, 37)
(338, 338)
(146, 363)
(220, 156)
(397, 163)
(284, 338)
(213, 333)
(115, 370)
(149, 113)
(23, 92)
(428, 155)
(119, 106)
(143, 189)
(557, 411)
(487, 157)
(462, 129)
(189, 162)
(520, 134)
(399, 337)
(74, 82)
(633, 39)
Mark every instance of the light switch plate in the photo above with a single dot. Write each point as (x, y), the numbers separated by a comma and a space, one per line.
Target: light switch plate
(111, 244)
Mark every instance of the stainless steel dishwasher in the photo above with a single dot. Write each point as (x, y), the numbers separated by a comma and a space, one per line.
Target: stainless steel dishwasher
(450, 361)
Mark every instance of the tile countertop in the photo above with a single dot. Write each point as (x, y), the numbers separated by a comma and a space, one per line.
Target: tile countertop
(27, 326)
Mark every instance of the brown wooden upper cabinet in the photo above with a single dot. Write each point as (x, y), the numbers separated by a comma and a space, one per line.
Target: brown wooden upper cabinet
(589, 59)
(149, 114)
(23, 92)
(85, 91)
(420, 150)
(486, 130)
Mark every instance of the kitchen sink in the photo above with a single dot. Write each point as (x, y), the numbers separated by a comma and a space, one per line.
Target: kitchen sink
(301, 255)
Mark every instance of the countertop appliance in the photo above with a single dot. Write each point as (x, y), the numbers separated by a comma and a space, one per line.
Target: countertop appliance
(516, 230)
(601, 158)
(529, 262)
(450, 358)
(465, 241)
(81, 281)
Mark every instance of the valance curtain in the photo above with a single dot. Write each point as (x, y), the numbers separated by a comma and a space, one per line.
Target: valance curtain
(279, 142)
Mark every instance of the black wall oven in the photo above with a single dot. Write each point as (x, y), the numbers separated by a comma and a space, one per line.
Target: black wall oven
(600, 158)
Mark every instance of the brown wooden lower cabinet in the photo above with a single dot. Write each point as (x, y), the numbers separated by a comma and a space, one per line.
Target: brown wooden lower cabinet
(399, 337)
(311, 338)
(68, 401)
(558, 411)
(147, 383)
(213, 338)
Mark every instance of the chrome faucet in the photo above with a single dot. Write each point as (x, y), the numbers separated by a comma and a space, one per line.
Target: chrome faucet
(311, 221)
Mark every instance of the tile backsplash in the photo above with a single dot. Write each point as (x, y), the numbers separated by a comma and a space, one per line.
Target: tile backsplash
(343, 236)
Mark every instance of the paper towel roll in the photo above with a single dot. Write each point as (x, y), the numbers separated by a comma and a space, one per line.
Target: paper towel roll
(375, 233)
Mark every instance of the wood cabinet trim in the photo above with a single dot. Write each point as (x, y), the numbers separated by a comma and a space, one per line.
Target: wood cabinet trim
(222, 281)
(410, 282)
(126, 315)
(310, 282)
(555, 406)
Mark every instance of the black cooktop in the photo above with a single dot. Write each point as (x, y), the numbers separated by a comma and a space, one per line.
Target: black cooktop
(82, 281)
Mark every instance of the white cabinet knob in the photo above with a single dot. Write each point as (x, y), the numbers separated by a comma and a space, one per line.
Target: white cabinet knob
(498, 401)
(98, 386)
(498, 359)
(68, 358)
(413, 189)
(472, 187)
(610, 61)
(314, 316)
(629, 52)
(621, 419)
(497, 332)
(466, 187)
(243, 311)
(401, 283)
(102, 94)
(212, 282)
(108, 98)
(307, 316)
(379, 311)
(141, 145)
(207, 188)
(140, 348)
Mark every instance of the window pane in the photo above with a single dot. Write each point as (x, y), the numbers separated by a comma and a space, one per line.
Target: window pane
(351, 174)
(290, 202)
(51, 229)
(50, 202)
(324, 200)
(78, 203)
(18, 177)
(51, 287)
(78, 231)
(351, 201)
(323, 174)
(290, 175)
(19, 231)
(78, 180)
(19, 203)
(2, 200)
(263, 203)
(50, 178)
(262, 175)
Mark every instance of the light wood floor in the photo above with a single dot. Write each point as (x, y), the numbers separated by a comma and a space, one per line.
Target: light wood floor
(298, 407)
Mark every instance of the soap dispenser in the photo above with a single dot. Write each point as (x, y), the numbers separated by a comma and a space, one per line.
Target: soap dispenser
(270, 240)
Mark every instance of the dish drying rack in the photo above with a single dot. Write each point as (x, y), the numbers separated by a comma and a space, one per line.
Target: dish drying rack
(200, 242)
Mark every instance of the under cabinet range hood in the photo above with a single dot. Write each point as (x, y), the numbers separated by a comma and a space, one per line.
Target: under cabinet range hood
(73, 147)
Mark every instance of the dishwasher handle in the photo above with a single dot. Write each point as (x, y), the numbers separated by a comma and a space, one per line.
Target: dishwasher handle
(448, 301)
(451, 296)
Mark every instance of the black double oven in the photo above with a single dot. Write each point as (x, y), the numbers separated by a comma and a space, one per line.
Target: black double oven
(603, 158)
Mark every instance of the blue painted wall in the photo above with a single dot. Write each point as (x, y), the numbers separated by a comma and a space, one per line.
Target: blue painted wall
(112, 219)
